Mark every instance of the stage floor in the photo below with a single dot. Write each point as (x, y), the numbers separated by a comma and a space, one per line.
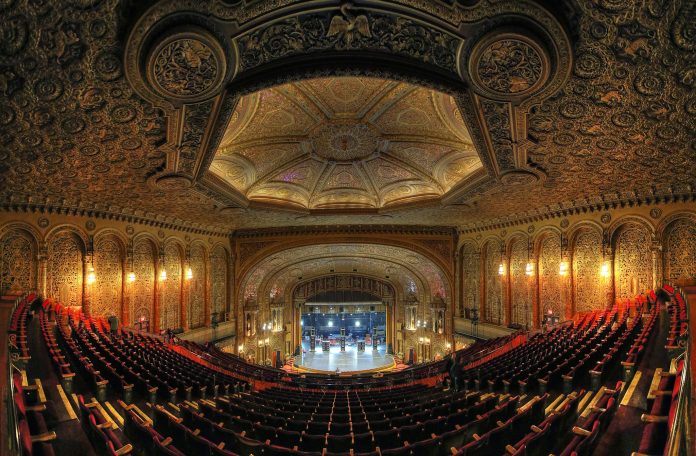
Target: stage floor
(348, 361)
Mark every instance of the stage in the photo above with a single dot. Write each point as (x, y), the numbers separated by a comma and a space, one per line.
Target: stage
(348, 361)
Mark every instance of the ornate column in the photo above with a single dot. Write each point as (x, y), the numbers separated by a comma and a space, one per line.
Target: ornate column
(185, 291)
(206, 292)
(566, 279)
(229, 305)
(130, 286)
(657, 272)
(87, 274)
(42, 259)
(458, 286)
(160, 277)
(610, 274)
(506, 287)
(534, 283)
(481, 258)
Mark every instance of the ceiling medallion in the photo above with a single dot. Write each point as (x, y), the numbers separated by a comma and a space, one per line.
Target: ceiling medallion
(519, 178)
(345, 142)
(186, 65)
(173, 182)
(512, 64)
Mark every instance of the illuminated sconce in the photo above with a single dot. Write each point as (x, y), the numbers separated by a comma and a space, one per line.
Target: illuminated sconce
(189, 273)
(163, 275)
(267, 340)
(91, 277)
(604, 271)
(420, 340)
(131, 277)
(501, 269)
(529, 270)
(260, 343)
(563, 268)
(240, 348)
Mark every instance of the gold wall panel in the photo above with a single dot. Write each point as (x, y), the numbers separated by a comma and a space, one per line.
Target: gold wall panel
(680, 251)
(171, 288)
(144, 285)
(17, 262)
(218, 280)
(495, 301)
(632, 261)
(106, 292)
(65, 267)
(196, 315)
(550, 297)
(521, 292)
(587, 262)
(471, 274)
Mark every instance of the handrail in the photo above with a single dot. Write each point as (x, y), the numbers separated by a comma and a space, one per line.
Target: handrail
(679, 436)
(12, 418)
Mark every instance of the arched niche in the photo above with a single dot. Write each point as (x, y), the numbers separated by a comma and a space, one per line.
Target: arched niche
(520, 283)
(107, 292)
(494, 298)
(18, 265)
(586, 251)
(218, 282)
(549, 262)
(172, 288)
(65, 267)
(633, 273)
(471, 276)
(197, 286)
(679, 244)
(143, 298)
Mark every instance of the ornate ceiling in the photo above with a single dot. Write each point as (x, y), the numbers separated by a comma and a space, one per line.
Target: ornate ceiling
(345, 142)
(118, 109)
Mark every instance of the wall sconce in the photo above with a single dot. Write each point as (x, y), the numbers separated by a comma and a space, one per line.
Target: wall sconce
(131, 277)
(189, 273)
(163, 275)
(563, 268)
(604, 271)
(260, 343)
(267, 340)
(240, 348)
(501, 269)
(529, 270)
(91, 277)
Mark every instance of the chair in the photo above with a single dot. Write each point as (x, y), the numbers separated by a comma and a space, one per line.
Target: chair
(386, 439)
(312, 442)
(339, 443)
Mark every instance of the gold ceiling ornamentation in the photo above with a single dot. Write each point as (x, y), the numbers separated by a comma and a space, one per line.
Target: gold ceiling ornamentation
(346, 142)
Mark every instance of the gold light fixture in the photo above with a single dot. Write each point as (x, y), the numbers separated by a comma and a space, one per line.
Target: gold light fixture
(501, 269)
(131, 277)
(604, 271)
(529, 270)
(563, 268)
(91, 276)
(163, 275)
(189, 273)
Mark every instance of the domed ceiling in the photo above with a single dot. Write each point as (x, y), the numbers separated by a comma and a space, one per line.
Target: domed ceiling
(345, 142)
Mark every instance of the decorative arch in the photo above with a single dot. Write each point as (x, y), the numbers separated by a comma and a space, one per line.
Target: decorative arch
(633, 272)
(18, 252)
(66, 251)
(106, 298)
(198, 310)
(619, 224)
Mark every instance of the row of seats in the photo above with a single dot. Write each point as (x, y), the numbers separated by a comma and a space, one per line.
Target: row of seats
(18, 328)
(100, 430)
(60, 364)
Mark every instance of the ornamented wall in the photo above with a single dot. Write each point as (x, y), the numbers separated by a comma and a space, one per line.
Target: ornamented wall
(579, 263)
(54, 253)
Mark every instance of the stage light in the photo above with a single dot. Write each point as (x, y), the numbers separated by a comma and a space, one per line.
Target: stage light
(357, 323)
(330, 323)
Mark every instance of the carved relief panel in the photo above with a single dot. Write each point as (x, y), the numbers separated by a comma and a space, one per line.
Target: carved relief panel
(587, 261)
(493, 311)
(107, 290)
(218, 285)
(471, 275)
(197, 290)
(17, 262)
(680, 251)
(144, 285)
(550, 298)
(65, 269)
(632, 261)
(171, 288)
(521, 290)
